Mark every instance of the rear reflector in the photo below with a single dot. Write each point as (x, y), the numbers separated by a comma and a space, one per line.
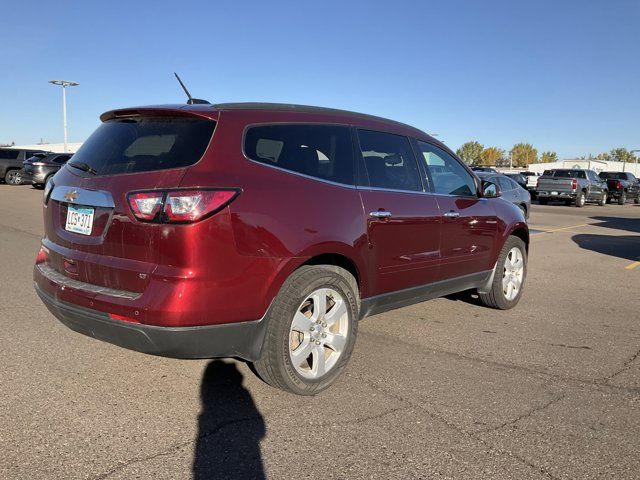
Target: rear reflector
(179, 206)
(122, 318)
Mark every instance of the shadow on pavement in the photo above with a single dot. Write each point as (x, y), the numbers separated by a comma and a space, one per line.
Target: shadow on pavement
(230, 427)
(618, 223)
(621, 246)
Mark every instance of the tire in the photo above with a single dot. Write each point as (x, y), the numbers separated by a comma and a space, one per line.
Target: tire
(609, 200)
(543, 201)
(497, 297)
(13, 177)
(580, 199)
(301, 293)
(622, 199)
(636, 200)
(523, 209)
(603, 201)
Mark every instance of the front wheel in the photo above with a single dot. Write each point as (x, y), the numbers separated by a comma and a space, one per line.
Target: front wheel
(311, 331)
(509, 276)
(603, 200)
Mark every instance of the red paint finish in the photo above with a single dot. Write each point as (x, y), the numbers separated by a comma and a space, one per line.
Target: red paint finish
(229, 267)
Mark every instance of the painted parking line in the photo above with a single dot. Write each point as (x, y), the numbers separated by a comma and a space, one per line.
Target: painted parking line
(633, 265)
(539, 231)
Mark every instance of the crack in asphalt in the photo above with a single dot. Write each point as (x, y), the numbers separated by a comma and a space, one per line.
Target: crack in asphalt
(174, 448)
(625, 366)
(527, 414)
(596, 382)
(456, 428)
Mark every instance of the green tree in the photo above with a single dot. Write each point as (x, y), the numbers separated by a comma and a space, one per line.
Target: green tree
(523, 154)
(548, 157)
(470, 152)
(605, 157)
(491, 156)
(622, 155)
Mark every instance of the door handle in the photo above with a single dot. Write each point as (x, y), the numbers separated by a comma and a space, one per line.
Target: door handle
(452, 214)
(380, 214)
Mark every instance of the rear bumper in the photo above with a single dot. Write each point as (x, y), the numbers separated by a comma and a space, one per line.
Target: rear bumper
(563, 195)
(35, 176)
(241, 340)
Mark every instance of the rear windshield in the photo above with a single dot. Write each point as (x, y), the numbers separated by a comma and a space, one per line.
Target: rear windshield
(569, 174)
(144, 144)
(614, 175)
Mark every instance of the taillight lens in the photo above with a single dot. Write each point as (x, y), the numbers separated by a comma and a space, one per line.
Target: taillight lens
(179, 206)
(619, 185)
(146, 205)
(574, 184)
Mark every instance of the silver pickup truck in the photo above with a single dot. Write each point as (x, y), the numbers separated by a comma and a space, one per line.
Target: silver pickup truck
(572, 186)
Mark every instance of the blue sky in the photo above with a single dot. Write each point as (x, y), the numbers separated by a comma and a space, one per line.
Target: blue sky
(562, 75)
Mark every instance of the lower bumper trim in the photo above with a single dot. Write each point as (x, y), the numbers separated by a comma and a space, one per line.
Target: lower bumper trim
(240, 340)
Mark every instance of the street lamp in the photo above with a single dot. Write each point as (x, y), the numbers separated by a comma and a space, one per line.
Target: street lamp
(64, 84)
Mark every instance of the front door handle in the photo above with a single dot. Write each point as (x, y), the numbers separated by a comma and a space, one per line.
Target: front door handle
(452, 214)
(380, 214)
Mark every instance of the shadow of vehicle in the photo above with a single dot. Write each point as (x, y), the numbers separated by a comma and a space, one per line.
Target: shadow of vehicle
(230, 427)
(623, 246)
(618, 223)
(468, 296)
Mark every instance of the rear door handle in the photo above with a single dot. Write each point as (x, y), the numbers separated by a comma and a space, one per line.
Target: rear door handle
(380, 214)
(452, 214)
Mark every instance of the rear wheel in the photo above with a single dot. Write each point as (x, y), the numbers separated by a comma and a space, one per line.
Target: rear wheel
(580, 199)
(622, 199)
(13, 177)
(311, 331)
(603, 200)
(509, 277)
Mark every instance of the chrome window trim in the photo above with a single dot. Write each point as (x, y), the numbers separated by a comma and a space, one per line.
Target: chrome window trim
(91, 198)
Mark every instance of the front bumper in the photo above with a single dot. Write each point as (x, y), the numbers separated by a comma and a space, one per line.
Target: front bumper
(241, 340)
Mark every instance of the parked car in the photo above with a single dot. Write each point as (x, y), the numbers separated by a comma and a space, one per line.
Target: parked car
(39, 168)
(532, 182)
(510, 190)
(572, 186)
(622, 186)
(518, 178)
(484, 169)
(269, 240)
(11, 164)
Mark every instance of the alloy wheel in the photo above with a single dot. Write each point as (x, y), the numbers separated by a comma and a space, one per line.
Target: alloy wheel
(318, 333)
(513, 273)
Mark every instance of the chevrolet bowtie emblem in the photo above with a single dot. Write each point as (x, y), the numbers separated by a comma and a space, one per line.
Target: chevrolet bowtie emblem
(71, 196)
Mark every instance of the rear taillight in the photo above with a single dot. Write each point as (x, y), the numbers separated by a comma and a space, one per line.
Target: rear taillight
(38, 164)
(179, 206)
(574, 184)
(619, 185)
(537, 184)
(43, 255)
(146, 205)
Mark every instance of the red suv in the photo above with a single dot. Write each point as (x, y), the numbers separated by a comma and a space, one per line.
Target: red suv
(265, 232)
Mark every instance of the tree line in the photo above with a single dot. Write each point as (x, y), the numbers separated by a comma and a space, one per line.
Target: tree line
(522, 154)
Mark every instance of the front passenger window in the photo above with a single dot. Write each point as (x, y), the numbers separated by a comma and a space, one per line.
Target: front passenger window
(449, 177)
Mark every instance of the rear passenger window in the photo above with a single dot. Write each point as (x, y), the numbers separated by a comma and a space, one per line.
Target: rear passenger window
(320, 151)
(449, 177)
(505, 183)
(389, 161)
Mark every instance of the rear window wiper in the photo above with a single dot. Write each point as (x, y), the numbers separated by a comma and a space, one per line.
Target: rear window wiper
(85, 167)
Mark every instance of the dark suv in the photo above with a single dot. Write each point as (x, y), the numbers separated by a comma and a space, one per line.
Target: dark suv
(37, 169)
(11, 164)
(265, 232)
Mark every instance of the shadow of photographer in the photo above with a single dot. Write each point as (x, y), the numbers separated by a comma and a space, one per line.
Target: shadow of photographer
(230, 427)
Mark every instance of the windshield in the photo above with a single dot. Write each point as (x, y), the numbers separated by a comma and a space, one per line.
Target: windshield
(143, 144)
(613, 175)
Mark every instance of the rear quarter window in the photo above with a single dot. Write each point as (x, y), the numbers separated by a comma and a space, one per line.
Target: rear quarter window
(145, 144)
(319, 151)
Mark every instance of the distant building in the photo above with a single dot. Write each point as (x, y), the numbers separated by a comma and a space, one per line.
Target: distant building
(50, 147)
(597, 165)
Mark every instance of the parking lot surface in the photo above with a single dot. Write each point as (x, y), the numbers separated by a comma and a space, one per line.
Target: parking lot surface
(443, 389)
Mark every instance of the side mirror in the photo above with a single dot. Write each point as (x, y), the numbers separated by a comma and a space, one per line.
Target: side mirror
(489, 189)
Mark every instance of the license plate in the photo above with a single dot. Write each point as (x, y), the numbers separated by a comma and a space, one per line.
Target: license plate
(79, 220)
(554, 193)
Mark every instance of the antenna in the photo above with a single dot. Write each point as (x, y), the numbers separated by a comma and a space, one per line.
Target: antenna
(191, 100)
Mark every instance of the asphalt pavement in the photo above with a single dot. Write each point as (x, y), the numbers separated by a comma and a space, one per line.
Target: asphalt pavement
(443, 389)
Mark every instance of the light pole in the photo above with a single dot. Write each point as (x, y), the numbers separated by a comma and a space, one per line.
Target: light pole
(64, 84)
